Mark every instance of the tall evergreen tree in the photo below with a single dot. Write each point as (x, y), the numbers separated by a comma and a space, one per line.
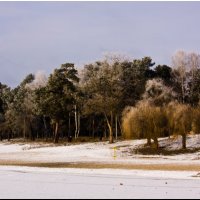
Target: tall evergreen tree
(133, 79)
(58, 97)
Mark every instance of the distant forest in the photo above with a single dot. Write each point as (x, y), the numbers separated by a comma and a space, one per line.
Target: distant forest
(111, 98)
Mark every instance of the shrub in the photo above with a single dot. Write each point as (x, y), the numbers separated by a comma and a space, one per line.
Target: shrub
(196, 121)
(183, 118)
(144, 121)
(151, 122)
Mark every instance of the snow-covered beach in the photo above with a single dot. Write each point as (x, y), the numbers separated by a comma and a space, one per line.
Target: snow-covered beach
(98, 170)
(119, 153)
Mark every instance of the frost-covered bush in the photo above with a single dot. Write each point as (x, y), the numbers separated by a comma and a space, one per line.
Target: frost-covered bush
(158, 93)
(39, 81)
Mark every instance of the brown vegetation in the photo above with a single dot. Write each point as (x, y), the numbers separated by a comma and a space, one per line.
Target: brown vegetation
(96, 165)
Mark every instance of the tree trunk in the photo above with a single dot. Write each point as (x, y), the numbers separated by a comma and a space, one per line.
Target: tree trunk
(69, 128)
(93, 124)
(9, 135)
(156, 143)
(79, 125)
(184, 138)
(45, 128)
(111, 130)
(32, 132)
(192, 88)
(76, 122)
(56, 133)
(111, 139)
(116, 127)
(149, 142)
(24, 128)
(44, 121)
(105, 129)
(183, 90)
(120, 126)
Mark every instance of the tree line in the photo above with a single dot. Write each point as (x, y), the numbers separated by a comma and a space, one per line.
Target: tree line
(107, 99)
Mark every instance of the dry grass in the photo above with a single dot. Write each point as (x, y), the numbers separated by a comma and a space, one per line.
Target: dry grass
(95, 165)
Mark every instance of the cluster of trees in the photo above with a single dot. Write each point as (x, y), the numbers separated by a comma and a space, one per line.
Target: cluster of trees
(169, 105)
(107, 98)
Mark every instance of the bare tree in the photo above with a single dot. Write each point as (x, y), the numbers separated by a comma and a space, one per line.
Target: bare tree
(194, 66)
(180, 64)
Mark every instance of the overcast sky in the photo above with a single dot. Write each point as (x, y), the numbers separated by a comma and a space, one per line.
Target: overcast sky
(42, 35)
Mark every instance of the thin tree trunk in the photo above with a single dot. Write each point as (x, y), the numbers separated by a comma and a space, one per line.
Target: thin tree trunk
(8, 135)
(45, 127)
(32, 132)
(116, 127)
(148, 141)
(69, 130)
(56, 133)
(111, 130)
(183, 90)
(53, 128)
(79, 125)
(90, 127)
(24, 128)
(93, 124)
(44, 121)
(192, 89)
(120, 126)
(184, 138)
(105, 129)
(111, 140)
(76, 122)
(156, 143)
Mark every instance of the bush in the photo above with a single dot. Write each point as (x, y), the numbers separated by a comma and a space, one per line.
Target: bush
(144, 121)
(130, 116)
(151, 122)
(180, 119)
(196, 121)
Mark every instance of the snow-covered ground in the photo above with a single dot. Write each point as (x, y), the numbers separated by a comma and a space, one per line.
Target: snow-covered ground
(113, 182)
(99, 152)
(40, 183)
